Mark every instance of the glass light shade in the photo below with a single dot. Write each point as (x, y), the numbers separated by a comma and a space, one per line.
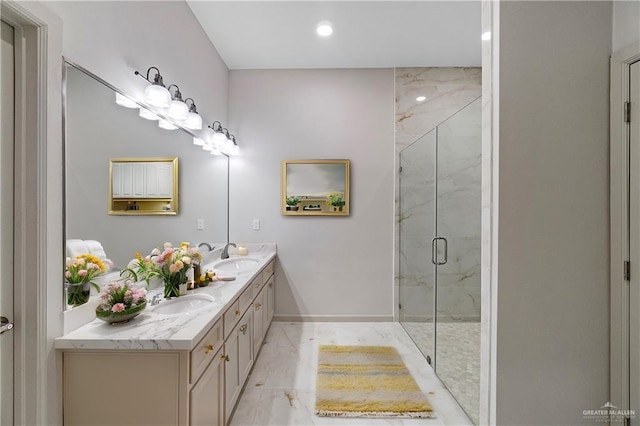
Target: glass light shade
(233, 150)
(219, 140)
(149, 115)
(125, 102)
(215, 151)
(157, 96)
(194, 121)
(164, 124)
(198, 141)
(178, 110)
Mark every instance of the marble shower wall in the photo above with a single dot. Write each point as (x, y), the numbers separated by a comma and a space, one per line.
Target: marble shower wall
(447, 92)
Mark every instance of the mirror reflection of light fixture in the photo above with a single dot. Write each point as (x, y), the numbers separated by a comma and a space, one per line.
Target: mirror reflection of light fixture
(194, 121)
(198, 141)
(164, 124)
(156, 94)
(147, 114)
(219, 137)
(232, 147)
(178, 110)
(124, 101)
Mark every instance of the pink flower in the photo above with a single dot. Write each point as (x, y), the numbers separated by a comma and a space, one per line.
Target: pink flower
(186, 260)
(155, 252)
(173, 268)
(82, 272)
(128, 293)
(67, 274)
(168, 245)
(118, 307)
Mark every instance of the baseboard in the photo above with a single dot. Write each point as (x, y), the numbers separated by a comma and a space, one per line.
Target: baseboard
(333, 318)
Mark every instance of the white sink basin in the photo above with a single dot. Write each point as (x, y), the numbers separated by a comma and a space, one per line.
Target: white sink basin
(237, 264)
(184, 305)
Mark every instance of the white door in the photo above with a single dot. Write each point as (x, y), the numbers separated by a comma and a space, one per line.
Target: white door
(7, 119)
(634, 243)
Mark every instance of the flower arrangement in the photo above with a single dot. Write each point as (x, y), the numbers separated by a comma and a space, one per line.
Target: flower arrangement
(139, 268)
(120, 302)
(79, 274)
(171, 265)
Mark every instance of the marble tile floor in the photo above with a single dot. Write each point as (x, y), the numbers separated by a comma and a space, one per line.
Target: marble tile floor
(458, 358)
(281, 388)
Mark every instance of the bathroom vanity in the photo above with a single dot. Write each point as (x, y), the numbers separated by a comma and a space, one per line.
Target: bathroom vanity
(184, 368)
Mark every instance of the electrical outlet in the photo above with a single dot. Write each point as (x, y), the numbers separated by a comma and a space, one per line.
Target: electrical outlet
(200, 224)
(256, 224)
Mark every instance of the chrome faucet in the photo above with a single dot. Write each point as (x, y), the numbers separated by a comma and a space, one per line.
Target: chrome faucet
(225, 250)
(205, 244)
(156, 299)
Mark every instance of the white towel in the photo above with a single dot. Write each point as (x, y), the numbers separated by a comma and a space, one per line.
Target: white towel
(96, 249)
(76, 248)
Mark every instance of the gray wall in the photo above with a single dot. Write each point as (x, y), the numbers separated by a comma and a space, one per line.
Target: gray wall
(327, 266)
(552, 316)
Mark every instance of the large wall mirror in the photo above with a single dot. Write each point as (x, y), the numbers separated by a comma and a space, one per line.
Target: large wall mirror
(99, 132)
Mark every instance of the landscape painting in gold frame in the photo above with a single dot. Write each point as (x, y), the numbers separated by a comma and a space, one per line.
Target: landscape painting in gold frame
(315, 187)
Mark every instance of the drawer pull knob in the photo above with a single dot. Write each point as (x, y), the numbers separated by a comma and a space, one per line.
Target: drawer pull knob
(243, 328)
(237, 312)
(257, 285)
(224, 357)
(257, 306)
(270, 285)
(208, 349)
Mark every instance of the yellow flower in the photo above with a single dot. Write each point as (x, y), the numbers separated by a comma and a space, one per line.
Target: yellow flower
(92, 259)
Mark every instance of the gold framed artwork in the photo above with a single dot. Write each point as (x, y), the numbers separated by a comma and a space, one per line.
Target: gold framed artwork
(315, 187)
(143, 186)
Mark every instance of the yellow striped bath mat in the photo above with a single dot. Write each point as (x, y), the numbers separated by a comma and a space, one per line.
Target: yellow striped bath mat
(367, 381)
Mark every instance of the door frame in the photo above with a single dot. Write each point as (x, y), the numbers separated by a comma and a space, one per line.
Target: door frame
(619, 211)
(38, 242)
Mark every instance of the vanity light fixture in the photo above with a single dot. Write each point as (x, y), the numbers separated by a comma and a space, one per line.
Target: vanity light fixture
(178, 110)
(198, 141)
(147, 114)
(156, 94)
(221, 141)
(324, 29)
(194, 121)
(232, 147)
(220, 135)
(164, 124)
(124, 101)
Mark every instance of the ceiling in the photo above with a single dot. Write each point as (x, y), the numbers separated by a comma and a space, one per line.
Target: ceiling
(367, 34)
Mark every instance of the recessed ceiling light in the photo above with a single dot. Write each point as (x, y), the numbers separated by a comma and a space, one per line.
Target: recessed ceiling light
(421, 98)
(324, 29)
(486, 35)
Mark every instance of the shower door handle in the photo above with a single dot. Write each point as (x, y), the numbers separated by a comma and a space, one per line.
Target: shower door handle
(434, 251)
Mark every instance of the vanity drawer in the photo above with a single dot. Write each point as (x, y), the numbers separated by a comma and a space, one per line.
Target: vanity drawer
(257, 283)
(267, 272)
(246, 297)
(231, 317)
(203, 353)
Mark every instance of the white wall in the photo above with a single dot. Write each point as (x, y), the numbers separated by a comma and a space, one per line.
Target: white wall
(552, 266)
(337, 267)
(626, 23)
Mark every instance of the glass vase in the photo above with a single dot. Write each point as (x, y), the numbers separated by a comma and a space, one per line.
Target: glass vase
(78, 293)
(172, 283)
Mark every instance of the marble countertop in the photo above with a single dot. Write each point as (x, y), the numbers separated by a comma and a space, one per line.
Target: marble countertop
(181, 332)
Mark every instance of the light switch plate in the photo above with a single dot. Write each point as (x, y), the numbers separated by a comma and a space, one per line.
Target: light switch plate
(200, 224)
(256, 224)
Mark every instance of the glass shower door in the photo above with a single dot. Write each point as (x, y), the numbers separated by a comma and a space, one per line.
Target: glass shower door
(416, 223)
(458, 208)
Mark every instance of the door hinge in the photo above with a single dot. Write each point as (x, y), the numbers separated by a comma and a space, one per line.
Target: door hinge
(400, 169)
(627, 271)
(627, 112)
(399, 305)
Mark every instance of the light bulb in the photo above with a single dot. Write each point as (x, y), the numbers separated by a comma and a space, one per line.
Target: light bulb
(194, 121)
(219, 139)
(198, 141)
(324, 29)
(164, 124)
(147, 114)
(157, 96)
(125, 102)
(215, 151)
(178, 110)
(233, 150)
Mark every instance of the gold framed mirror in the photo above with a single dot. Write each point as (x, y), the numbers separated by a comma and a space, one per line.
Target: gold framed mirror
(315, 187)
(143, 186)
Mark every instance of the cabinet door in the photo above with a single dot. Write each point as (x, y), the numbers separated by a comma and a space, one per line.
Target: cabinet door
(126, 174)
(151, 183)
(258, 321)
(165, 180)
(139, 179)
(231, 377)
(245, 346)
(271, 300)
(206, 399)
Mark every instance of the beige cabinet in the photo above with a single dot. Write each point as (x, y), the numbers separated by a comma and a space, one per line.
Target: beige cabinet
(206, 398)
(172, 387)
